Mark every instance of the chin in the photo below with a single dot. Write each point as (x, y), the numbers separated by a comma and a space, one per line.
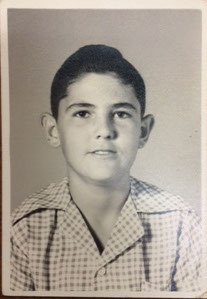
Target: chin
(105, 178)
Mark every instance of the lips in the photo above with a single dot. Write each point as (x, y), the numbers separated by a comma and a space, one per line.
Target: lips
(103, 153)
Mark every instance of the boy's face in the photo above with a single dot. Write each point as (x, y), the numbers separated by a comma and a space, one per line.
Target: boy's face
(99, 128)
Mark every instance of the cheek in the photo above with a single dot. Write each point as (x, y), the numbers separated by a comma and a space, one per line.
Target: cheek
(129, 143)
(73, 143)
(130, 132)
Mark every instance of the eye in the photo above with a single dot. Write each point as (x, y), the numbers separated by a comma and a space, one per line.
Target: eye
(82, 114)
(122, 114)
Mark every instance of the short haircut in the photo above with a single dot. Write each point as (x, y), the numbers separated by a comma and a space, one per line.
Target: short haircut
(98, 59)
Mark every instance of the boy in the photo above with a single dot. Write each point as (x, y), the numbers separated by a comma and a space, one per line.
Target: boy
(100, 229)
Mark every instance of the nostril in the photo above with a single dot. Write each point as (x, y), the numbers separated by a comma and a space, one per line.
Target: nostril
(104, 136)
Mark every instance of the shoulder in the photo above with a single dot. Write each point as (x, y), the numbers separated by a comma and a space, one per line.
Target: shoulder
(151, 199)
(54, 197)
(153, 203)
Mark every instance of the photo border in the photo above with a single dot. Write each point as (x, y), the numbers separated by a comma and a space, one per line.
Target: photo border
(92, 4)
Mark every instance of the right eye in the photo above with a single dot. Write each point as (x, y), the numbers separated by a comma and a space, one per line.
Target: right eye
(82, 114)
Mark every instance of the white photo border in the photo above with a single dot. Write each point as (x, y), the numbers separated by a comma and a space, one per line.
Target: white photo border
(92, 4)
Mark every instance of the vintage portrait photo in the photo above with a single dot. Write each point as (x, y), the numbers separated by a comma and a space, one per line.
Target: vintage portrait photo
(104, 142)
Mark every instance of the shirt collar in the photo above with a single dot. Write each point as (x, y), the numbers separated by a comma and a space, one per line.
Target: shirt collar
(128, 230)
(151, 199)
(55, 196)
(147, 199)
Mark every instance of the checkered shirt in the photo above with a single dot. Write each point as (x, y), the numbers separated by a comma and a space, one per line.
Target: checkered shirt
(154, 246)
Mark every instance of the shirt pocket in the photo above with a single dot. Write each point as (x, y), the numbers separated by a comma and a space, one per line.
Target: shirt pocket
(150, 287)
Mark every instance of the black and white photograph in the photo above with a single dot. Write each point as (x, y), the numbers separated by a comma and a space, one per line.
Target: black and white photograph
(104, 116)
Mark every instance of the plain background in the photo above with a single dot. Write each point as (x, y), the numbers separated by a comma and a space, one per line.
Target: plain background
(164, 45)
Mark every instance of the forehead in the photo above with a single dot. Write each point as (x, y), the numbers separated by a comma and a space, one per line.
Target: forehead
(106, 87)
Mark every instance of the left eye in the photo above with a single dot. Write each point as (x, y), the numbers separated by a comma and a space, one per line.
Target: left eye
(82, 114)
(122, 114)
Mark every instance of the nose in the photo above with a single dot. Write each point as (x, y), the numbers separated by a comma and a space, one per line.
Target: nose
(104, 128)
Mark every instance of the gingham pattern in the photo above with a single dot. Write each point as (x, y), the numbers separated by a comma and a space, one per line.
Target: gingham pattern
(155, 244)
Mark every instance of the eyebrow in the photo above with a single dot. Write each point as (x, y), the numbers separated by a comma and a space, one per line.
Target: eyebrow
(79, 105)
(117, 105)
(125, 105)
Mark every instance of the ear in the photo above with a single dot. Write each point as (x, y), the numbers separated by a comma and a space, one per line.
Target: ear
(146, 127)
(50, 127)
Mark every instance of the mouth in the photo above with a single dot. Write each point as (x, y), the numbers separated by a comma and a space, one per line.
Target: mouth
(103, 153)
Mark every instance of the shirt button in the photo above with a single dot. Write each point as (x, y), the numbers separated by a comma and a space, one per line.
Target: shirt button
(102, 271)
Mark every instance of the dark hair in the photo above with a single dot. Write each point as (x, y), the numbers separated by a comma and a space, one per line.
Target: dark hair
(96, 59)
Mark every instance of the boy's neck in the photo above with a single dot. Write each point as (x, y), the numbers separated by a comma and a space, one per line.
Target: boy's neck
(99, 197)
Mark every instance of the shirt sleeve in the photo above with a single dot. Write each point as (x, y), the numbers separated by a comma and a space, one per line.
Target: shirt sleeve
(20, 274)
(187, 275)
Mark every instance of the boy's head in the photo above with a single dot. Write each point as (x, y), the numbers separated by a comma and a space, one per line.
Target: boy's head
(98, 104)
(98, 59)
